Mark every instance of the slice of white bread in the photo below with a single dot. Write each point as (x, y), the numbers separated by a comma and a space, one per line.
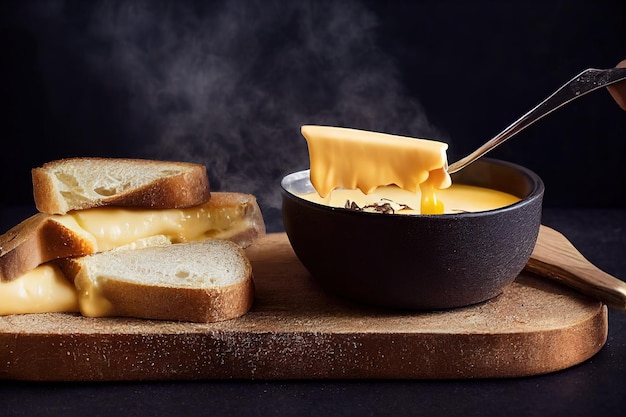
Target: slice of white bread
(79, 183)
(203, 281)
(44, 237)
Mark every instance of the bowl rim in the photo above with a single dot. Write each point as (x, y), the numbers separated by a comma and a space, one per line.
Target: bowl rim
(537, 191)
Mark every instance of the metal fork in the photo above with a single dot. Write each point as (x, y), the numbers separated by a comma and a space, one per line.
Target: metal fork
(587, 81)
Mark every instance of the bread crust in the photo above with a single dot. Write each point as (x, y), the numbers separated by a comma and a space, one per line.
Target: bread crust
(187, 188)
(181, 304)
(36, 240)
(251, 212)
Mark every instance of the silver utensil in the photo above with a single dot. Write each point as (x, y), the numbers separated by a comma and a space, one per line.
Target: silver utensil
(587, 81)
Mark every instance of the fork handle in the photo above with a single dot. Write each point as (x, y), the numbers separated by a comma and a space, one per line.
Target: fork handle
(618, 91)
(587, 81)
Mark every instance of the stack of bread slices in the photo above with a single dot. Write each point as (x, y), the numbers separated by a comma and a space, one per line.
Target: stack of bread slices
(130, 237)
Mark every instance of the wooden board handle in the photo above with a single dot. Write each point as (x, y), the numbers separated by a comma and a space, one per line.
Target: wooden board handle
(556, 257)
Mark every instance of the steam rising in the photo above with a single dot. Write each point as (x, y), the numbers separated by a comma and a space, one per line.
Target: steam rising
(229, 83)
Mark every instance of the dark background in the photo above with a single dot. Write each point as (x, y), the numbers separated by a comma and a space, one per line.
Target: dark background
(228, 84)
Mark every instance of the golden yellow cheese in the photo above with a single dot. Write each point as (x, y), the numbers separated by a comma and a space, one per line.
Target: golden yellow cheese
(113, 227)
(92, 301)
(41, 290)
(455, 199)
(363, 160)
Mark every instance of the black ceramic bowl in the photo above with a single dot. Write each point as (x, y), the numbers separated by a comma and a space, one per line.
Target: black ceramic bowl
(422, 262)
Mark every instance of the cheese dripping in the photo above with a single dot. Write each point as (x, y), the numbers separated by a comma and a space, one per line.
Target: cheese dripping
(357, 159)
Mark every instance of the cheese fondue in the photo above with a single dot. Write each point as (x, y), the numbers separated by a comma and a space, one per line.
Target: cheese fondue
(385, 173)
(457, 198)
(357, 159)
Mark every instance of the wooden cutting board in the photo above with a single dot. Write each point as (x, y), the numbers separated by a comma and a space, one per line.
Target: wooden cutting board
(297, 331)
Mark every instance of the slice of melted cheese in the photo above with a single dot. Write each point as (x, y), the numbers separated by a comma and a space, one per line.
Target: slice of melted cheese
(357, 159)
(46, 289)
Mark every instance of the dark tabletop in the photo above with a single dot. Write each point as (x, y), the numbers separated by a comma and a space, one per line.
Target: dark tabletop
(595, 387)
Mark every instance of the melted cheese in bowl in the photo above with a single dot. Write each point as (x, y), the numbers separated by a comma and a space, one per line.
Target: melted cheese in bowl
(457, 198)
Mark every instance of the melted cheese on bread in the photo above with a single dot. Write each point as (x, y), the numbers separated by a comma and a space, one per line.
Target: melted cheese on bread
(46, 289)
(114, 227)
(42, 290)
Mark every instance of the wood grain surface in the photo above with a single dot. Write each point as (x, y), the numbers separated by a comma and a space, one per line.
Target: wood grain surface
(556, 257)
(296, 331)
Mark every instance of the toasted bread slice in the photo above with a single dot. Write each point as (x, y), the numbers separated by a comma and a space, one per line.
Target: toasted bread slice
(79, 183)
(44, 237)
(203, 281)
(38, 239)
